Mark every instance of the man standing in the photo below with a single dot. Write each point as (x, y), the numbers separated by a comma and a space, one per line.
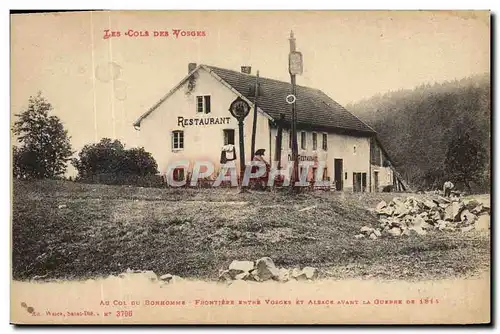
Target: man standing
(447, 188)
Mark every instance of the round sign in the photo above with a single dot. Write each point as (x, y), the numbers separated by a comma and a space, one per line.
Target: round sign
(239, 108)
(290, 99)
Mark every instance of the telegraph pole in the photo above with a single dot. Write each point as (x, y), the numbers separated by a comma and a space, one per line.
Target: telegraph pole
(294, 67)
(254, 124)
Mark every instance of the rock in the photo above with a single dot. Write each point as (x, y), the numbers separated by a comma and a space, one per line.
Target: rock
(296, 272)
(225, 276)
(430, 204)
(471, 204)
(366, 230)
(467, 228)
(477, 209)
(237, 267)
(418, 230)
(406, 232)
(441, 224)
(395, 231)
(482, 223)
(242, 276)
(284, 275)
(377, 233)
(373, 236)
(395, 222)
(359, 236)
(310, 272)
(265, 269)
(62, 206)
(389, 211)
(166, 277)
(443, 200)
(452, 212)
(436, 215)
(147, 274)
(381, 205)
(467, 217)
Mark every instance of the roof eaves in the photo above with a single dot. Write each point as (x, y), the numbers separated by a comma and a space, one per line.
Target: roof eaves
(157, 104)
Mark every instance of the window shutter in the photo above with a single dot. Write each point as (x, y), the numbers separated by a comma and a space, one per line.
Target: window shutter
(207, 104)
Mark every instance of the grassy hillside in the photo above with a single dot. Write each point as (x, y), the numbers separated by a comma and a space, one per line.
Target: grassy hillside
(70, 230)
(416, 125)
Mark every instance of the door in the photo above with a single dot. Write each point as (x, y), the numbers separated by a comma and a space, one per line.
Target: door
(375, 181)
(339, 166)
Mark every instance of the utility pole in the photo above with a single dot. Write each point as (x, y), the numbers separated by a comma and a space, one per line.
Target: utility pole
(255, 106)
(294, 67)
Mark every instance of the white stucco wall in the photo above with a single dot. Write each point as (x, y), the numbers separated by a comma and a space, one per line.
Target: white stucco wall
(201, 142)
(339, 147)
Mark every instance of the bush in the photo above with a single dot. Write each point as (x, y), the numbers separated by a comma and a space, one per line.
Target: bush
(110, 157)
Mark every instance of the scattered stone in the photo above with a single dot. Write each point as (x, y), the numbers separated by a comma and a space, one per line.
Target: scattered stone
(359, 236)
(417, 229)
(377, 233)
(284, 275)
(478, 209)
(380, 206)
(471, 204)
(467, 217)
(430, 204)
(395, 231)
(62, 206)
(225, 276)
(296, 272)
(266, 269)
(373, 236)
(166, 277)
(366, 230)
(310, 272)
(308, 208)
(242, 276)
(237, 267)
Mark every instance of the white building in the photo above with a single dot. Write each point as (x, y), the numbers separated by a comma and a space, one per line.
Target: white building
(192, 122)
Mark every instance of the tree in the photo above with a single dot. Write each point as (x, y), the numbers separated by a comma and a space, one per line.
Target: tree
(110, 157)
(45, 145)
(465, 160)
(139, 162)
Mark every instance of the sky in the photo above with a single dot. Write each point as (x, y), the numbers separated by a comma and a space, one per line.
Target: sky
(99, 87)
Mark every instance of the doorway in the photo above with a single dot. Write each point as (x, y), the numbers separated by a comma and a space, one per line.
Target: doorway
(375, 181)
(339, 166)
(359, 182)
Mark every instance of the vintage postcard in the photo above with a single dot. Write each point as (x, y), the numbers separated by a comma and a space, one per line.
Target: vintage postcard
(250, 167)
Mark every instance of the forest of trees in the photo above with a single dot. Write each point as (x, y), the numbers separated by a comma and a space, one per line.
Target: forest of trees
(436, 132)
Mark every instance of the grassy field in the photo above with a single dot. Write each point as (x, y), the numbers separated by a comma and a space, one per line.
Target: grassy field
(76, 231)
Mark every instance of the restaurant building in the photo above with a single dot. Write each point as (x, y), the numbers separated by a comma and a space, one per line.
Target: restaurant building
(192, 123)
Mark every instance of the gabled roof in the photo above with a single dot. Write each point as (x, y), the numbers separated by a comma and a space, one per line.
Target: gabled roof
(315, 109)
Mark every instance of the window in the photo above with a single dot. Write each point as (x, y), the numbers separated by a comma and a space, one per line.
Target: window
(177, 140)
(178, 174)
(203, 104)
(303, 140)
(325, 142)
(315, 141)
(325, 174)
(228, 136)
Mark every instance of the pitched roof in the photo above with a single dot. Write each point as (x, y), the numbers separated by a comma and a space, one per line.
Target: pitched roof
(315, 109)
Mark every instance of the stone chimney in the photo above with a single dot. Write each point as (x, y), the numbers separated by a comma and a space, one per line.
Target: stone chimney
(191, 67)
(246, 69)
